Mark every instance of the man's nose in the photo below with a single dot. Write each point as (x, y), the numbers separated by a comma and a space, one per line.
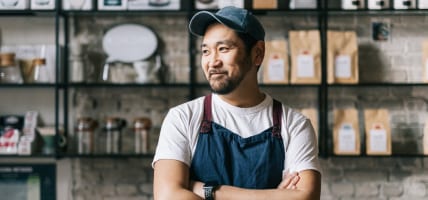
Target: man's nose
(214, 60)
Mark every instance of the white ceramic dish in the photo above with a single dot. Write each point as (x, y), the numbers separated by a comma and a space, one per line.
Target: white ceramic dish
(129, 43)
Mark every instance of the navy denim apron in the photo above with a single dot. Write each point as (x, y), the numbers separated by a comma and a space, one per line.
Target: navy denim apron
(226, 158)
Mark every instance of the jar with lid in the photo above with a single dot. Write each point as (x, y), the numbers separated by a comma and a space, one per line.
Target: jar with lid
(9, 71)
(112, 137)
(142, 127)
(41, 72)
(85, 128)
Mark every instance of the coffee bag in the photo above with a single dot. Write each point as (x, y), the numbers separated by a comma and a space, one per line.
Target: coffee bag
(425, 61)
(305, 57)
(346, 132)
(378, 132)
(275, 64)
(265, 4)
(342, 57)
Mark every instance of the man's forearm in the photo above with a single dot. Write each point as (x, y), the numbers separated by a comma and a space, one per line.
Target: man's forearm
(235, 193)
(179, 194)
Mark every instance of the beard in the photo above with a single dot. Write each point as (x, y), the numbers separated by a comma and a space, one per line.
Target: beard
(225, 85)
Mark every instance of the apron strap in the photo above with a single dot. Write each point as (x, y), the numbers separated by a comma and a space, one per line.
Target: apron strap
(277, 117)
(207, 118)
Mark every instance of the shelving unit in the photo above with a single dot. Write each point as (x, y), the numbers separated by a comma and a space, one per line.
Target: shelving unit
(63, 88)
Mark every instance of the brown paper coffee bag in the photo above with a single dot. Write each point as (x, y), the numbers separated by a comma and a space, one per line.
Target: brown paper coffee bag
(312, 115)
(346, 132)
(265, 4)
(425, 61)
(305, 57)
(342, 57)
(378, 132)
(275, 64)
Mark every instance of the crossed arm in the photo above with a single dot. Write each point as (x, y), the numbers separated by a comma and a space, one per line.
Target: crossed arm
(171, 181)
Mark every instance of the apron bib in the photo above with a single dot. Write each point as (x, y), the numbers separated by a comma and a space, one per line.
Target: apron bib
(226, 158)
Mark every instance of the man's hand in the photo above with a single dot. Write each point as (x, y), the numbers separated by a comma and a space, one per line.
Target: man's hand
(289, 181)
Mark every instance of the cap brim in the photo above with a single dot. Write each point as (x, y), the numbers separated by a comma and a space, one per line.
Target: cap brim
(199, 22)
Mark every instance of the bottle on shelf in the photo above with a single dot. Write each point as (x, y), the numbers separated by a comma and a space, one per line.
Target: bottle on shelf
(142, 127)
(41, 73)
(85, 128)
(9, 71)
(112, 136)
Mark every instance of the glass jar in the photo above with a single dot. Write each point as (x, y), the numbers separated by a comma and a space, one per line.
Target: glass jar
(112, 137)
(41, 72)
(85, 128)
(9, 71)
(142, 127)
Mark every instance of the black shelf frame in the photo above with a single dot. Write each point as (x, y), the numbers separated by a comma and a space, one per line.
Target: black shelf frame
(62, 85)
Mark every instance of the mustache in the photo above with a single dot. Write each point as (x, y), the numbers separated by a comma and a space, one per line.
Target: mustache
(216, 71)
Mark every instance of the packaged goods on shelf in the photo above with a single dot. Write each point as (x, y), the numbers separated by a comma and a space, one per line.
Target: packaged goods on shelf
(404, 4)
(43, 4)
(14, 4)
(353, 4)
(112, 4)
(78, 4)
(342, 57)
(346, 132)
(236, 3)
(206, 4)
(265, 4)
(275, 64)
(305, 47)
(25, 54)
(378, 4)
(378, 132)
(303, 4)
(153, 4)
(423, 4)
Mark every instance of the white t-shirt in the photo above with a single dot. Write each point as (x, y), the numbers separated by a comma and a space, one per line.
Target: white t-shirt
(180, 129)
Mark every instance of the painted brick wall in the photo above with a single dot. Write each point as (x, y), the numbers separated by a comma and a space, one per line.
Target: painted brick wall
(397, 60)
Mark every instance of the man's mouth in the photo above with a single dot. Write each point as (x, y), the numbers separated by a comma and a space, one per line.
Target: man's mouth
(216, 73)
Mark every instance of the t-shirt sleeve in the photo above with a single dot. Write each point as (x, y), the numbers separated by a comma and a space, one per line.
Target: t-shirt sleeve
(302, 151)
(173, 141)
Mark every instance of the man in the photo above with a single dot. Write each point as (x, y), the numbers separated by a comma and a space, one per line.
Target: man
(237, 143)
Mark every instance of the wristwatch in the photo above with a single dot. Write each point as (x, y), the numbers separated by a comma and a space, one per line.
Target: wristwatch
(209, 188)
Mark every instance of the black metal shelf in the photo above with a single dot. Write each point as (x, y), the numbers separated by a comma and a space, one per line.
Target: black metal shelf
(27, 13)
(28, 85)
(125, 12)
(125, 85)
(383, 12)
(145, 156)
(378, 85)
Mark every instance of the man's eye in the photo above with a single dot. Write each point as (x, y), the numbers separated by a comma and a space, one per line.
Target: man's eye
(223, 49)
(205, 52)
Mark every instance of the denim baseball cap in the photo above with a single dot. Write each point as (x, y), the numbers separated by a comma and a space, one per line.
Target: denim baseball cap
(238, 19)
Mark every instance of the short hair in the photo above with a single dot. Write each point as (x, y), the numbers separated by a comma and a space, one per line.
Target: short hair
(249, 41)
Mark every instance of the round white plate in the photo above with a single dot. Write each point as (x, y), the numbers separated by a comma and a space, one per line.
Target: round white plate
(129, 43)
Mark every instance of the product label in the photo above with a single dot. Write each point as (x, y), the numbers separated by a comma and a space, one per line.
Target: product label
(347, 138)
(236, 3)
(378, 139)
(276, 69)
(426, 69)
(305, 66)
(112, 2)
(342, 66)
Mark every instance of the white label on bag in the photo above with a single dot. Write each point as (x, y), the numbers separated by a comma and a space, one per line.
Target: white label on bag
(378, 139)
(426, 69)
(276, 69)
(236, 3)
(347, 138)
(342, 66)
(305, 66)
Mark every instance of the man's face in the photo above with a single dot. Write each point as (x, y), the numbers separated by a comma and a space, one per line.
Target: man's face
(224, 59)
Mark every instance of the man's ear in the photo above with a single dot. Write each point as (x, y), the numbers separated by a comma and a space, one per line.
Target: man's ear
(259, 52)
